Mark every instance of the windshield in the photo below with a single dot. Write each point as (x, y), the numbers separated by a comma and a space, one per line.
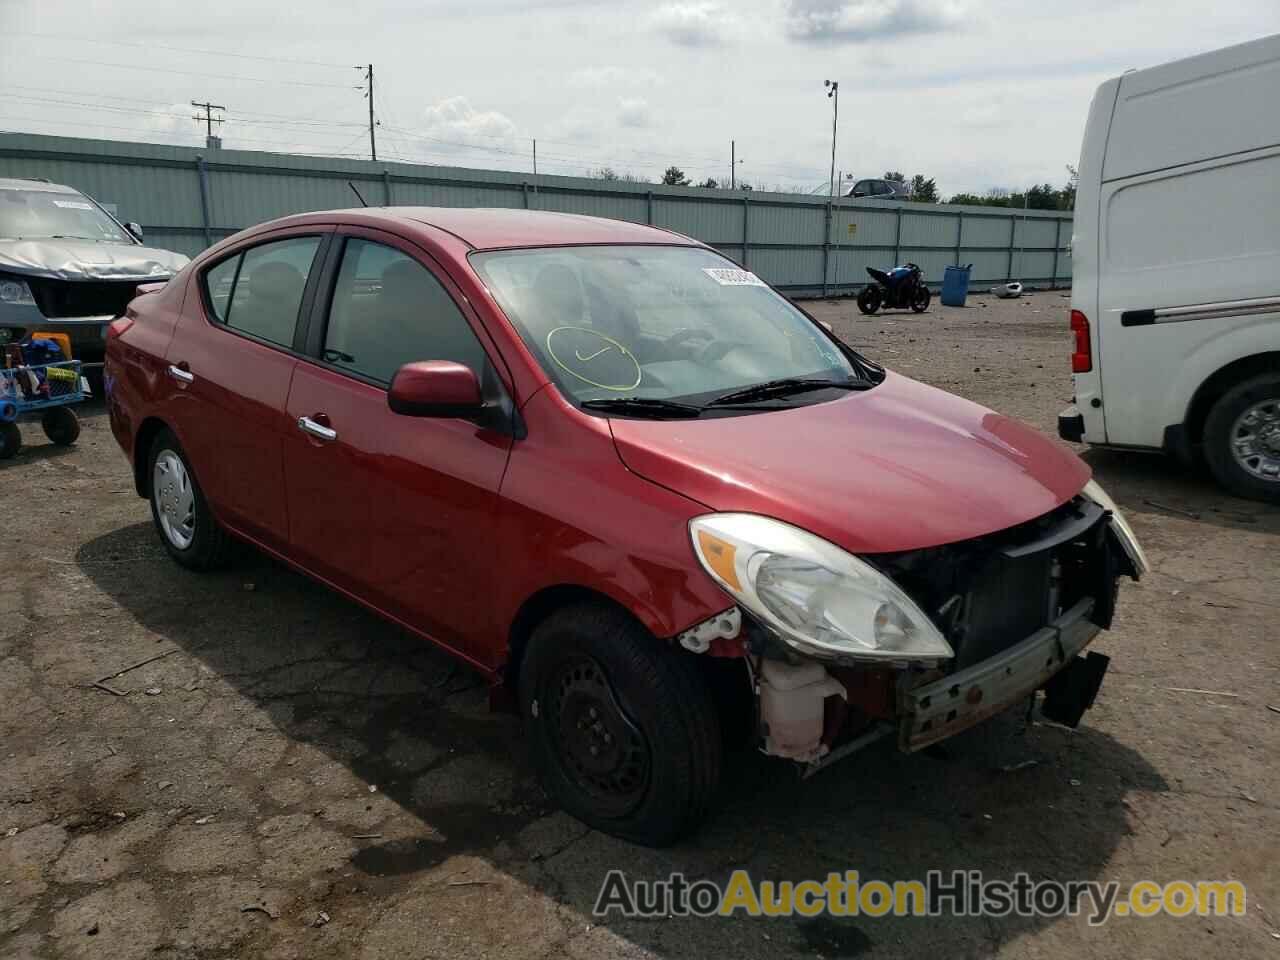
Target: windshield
(43, 215)
(660, 323)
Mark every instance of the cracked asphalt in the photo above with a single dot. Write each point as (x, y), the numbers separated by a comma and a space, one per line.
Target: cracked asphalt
(265, 770)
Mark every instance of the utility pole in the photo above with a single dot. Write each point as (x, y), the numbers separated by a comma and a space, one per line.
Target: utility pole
(373, 145)
(209, 120)
(833, 94)
(535, 156)
(733, 164)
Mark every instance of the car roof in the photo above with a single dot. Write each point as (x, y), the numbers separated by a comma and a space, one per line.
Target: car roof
(14, 183)
(496, 228)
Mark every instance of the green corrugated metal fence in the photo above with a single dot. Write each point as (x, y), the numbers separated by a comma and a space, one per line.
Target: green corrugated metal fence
(187, 199)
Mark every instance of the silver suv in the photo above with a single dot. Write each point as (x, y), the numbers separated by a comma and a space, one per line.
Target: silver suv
(880, 190)
(68, 266)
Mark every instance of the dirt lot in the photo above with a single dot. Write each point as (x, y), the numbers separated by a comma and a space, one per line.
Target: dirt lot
(291, 777)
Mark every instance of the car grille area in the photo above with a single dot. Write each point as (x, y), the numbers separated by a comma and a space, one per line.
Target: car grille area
(992, 592)
(58, 299)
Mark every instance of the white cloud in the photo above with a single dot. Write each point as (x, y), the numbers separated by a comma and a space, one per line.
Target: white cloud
(633, 112)
(859, 21)
(691, 24)
(455, 118)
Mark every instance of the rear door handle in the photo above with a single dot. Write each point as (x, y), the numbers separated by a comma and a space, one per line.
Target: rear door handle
(307, 425)
(186, 376)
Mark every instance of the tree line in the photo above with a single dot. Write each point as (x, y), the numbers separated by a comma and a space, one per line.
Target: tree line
(919, 189)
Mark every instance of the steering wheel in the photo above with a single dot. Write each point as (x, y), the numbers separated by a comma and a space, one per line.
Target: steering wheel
(594, 358)
(684, 335)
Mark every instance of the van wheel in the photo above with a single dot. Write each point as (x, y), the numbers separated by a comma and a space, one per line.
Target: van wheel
(1242, 438)
(623, 732)
(178, 507)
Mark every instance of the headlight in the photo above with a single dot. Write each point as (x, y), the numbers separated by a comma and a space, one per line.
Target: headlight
(1124, 533)
(822, 601)
(16, 292)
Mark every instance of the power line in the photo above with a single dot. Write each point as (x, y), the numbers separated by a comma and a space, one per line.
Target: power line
(161, 46)
(194, 73)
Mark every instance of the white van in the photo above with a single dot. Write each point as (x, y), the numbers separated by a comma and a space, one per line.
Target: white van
(1176, 280)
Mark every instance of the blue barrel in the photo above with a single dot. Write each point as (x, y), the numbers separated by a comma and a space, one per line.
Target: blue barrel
(955, 285)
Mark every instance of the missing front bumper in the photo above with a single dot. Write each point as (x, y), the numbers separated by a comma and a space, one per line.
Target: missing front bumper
(967, 697)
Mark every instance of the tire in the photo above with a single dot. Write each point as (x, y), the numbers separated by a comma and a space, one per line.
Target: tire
(61, 425)
(10, 440)
(1229, 431)
(179, 510)
(869, 299)
(655, 725)
(920, 299)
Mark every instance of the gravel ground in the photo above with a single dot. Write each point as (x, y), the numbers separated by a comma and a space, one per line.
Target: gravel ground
(283, 775)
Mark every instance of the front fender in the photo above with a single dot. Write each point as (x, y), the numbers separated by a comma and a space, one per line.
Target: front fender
(575, 516)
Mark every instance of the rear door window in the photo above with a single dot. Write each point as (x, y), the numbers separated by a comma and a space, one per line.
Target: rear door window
(259, 292)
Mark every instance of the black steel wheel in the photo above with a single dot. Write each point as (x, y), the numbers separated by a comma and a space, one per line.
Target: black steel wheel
(622, 728)
(869, 299)
(598, 746)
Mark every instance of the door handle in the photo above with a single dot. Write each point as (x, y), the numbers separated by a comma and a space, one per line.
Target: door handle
(186, 376)
(307, 425)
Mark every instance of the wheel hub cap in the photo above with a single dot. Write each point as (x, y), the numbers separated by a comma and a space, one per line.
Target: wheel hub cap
(174, 499)
(1255, 440)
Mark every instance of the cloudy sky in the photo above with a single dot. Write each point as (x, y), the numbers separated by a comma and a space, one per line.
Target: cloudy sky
(977, 93)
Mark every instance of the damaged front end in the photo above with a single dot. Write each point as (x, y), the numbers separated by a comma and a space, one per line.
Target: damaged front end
(1014, 610)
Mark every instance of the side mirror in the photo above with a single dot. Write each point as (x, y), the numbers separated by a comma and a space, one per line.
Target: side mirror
(134, 228)
(435, 388)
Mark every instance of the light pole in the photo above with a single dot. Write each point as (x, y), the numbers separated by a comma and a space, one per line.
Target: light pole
(833, 94)
(733, 164)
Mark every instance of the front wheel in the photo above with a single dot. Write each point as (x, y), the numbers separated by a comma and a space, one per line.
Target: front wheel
(920, 299)
(623, 731)
(869, 299)
(182, 516)
(1242, 439)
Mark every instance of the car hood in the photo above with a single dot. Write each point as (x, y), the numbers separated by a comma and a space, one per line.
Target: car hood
(88, 260)
(897, 467)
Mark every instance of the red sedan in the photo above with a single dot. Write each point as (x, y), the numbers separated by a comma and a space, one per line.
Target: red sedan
(623, 478)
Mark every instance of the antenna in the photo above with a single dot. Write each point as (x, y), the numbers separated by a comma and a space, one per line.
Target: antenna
(357, 193)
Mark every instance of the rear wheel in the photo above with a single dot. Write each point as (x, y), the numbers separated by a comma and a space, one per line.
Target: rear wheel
(623, 731)
(10, 440)
(920, 299)
(178, 507)
(1242, 438)
(869, 299)
(61, 425)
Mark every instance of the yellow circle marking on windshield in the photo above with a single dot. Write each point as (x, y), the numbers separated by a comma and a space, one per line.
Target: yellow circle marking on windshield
(617, 388)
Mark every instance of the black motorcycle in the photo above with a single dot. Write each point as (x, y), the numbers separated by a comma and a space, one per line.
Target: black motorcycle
(900, 287)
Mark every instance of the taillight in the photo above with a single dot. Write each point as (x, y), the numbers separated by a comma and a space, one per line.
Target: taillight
(118, 326)
(1082, 357)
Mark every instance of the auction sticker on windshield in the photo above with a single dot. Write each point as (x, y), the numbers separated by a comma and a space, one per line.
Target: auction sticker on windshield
(733, 278)
(73, 204)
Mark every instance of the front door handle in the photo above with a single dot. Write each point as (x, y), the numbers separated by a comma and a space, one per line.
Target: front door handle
(178, 373)
(318, 430)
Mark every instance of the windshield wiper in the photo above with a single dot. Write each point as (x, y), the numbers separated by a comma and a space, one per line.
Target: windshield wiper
(643, 407)
(70, 236)
(785, 387)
